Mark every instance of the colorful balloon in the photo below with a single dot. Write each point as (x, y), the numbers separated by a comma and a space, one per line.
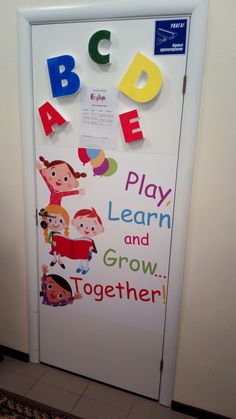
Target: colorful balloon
(112, 167)
(99, 160)
(98, 171)
(101, 165)
(92, 152)
(83, 156)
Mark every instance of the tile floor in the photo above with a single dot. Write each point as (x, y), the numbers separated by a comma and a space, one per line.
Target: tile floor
(77, 395)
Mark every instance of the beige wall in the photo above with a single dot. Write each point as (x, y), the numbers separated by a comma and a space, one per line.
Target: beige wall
(206, 363)
(206, 367)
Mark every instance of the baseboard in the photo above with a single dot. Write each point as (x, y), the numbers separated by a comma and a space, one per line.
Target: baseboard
(195, 411)
(13, 353)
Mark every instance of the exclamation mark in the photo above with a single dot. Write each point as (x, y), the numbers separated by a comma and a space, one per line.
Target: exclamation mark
(164, 293)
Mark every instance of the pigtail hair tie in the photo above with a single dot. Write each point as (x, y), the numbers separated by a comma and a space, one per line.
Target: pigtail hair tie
(83, 174)
(45, 162)
(78, 175)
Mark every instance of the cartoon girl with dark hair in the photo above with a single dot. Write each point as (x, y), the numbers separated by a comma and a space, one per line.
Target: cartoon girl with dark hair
(55, 221)
(60, 178)
(56, 291)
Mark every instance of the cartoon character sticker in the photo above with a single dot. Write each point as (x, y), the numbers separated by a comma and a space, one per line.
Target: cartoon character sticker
(55, 220)
(88, 223)
(60, 178)
(56, 291)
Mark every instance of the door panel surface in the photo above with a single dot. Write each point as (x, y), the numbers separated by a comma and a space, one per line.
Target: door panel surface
(104, 238)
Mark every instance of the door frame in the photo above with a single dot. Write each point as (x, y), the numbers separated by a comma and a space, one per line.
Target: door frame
(114, 9)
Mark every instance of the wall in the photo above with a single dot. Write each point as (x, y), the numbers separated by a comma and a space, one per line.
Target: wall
(205, 375)
(206, 367)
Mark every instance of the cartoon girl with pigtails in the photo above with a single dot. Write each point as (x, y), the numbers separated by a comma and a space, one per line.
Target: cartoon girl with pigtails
(60, 178)
(55, 220)
(56, 291)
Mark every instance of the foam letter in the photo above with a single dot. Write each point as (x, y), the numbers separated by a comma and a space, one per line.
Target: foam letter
(93, 47)
(50, 117)
(131, 129)
(63, 80)
(128, 84)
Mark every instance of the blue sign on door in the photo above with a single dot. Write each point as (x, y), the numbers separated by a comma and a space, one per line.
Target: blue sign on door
(170, 36)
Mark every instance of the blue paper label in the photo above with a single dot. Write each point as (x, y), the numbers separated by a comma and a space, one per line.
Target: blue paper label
(170, 36)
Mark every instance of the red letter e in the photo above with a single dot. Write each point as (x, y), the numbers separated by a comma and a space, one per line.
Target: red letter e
(131, 129)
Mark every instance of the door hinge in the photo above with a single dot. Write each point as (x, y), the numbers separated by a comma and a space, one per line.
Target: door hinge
(184, 84)
(36, 216)
(161, 365)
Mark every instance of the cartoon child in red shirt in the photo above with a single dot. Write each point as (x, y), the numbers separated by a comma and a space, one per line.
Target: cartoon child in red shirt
(60, 178)
(88, 223)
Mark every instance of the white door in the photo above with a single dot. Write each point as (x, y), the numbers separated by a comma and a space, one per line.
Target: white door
(107, 205)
